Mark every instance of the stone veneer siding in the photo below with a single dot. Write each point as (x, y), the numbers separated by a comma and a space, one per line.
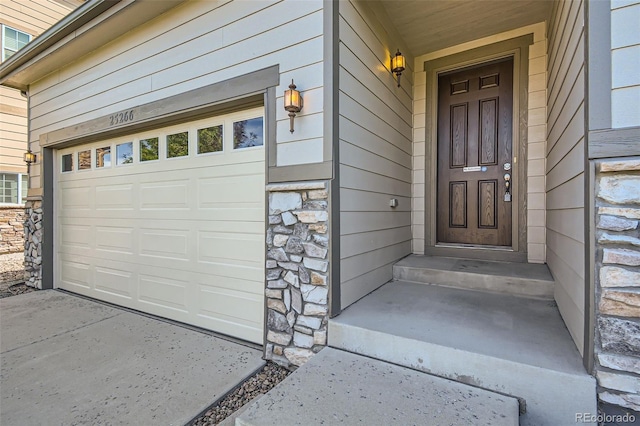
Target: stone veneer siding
(297, 272)
(11, 229)
(618, 282)
(33, 244)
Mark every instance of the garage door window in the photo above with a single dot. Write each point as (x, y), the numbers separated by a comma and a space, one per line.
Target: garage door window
(149, 149)
(124, 153)
(67, 163)
(248, 133)
(210, 139)
(103, 157)
(84, 160)
(178, 145)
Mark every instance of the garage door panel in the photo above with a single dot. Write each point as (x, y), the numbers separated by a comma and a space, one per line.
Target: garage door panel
(76, 273)
(163, 292)
(79, 236)
(223, 191)
(233, 249)
(115, 239)
(181, 238)
(171, 244)
(75, 198)
(114, 197)
(227, 305)
(116, 282)
(164, 195)
(228, 226)
(220, 273)
(231, 283)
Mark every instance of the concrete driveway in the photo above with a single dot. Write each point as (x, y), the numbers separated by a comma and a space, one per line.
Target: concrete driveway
(69, 360)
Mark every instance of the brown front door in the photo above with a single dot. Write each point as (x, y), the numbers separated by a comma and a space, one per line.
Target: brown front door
(475, 109)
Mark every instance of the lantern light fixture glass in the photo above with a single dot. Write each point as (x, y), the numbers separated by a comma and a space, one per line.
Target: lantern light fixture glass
(29, 157)
(398, 64)
(292, 103)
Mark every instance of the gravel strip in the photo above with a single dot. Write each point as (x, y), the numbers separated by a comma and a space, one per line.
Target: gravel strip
(12, 275)
(12, 267)
(260, 383)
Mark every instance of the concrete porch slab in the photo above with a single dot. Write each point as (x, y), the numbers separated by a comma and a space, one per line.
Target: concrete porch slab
(69, 360)
(337, 387)
(513, 345)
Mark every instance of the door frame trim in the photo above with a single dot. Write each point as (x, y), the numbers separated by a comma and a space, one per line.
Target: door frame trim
(518, 48)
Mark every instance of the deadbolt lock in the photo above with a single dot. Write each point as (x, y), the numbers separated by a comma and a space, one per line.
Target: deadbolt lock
(507, 166)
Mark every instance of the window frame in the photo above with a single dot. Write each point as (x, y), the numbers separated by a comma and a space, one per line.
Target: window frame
(4, 39)
(19, 189)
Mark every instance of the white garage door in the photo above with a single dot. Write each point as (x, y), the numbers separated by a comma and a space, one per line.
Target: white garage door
(169, 222)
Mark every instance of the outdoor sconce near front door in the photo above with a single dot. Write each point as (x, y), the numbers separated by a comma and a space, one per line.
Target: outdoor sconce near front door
(292, 103)
(398, 64)
(29, 158)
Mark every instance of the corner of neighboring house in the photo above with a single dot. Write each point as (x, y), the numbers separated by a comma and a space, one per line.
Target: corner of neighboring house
(21, 21)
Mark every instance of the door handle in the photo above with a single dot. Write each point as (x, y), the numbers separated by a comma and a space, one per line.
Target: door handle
(507, 185)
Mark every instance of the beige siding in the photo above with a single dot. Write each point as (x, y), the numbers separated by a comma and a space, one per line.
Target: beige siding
(565, 181)
(13, 130)
(625, 59)
(32, 17)
(375, 151)
(193, 45)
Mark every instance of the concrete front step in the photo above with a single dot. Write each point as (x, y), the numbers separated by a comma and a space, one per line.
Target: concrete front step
(337, 387)
(521, 279)
(512, 345)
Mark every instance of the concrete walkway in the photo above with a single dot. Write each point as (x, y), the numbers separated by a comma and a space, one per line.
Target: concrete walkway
(68, 360)
(337, 387)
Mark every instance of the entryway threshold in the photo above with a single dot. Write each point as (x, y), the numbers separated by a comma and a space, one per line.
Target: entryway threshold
(519, 279)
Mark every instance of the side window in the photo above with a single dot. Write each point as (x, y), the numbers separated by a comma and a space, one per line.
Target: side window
(12, 41)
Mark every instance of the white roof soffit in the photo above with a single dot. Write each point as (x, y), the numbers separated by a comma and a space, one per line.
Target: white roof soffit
(76, 35)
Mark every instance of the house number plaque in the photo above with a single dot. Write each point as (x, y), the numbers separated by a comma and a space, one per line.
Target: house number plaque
(121, 117)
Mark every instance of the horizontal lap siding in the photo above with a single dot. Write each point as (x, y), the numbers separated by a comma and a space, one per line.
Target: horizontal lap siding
(31, 17)
(375, 125)
(194, 45)
(13, 130)
(625, 51)
(565, 163)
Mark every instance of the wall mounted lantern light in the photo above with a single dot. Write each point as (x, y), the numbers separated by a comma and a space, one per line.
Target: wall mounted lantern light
(398, 64)
(292, 103)
(29, 158)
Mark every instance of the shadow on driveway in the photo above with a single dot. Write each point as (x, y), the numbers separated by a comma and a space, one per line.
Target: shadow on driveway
(69, 360)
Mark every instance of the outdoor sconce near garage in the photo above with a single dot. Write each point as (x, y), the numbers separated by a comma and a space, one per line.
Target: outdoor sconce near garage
(29, 158)
(292, 103)
(398, 64)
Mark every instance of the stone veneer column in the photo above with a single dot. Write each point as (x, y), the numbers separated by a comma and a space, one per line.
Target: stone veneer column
(33, 244)
(618, 282)
(297, 271)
